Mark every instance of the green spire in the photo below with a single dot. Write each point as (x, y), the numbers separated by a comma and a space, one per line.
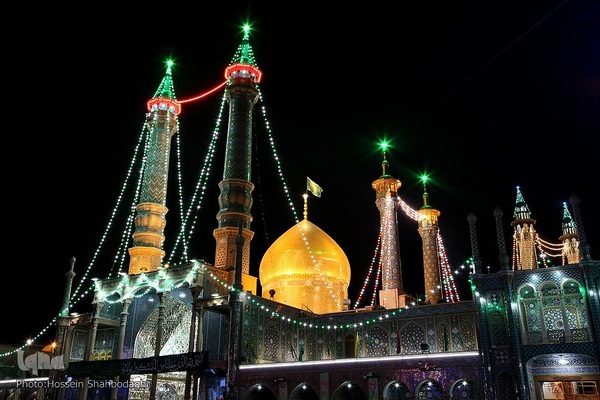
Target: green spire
(521, 208)
(568, 225)
(385, 166)
(165, 89)
(243, 65)
(164, 97)
(424, 179)
(244, 53)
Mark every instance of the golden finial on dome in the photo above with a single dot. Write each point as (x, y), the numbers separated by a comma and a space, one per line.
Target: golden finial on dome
(305, 195)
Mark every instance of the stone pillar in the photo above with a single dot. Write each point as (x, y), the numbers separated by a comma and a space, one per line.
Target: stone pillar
(90, 345)
(119, 355)
(157, 343)
(192, 339)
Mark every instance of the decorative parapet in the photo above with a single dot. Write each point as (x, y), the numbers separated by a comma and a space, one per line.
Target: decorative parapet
(165, 279)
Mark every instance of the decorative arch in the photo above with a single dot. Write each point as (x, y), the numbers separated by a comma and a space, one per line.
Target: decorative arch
(505, 385)
(465, 389)
(575, 310)
(376, 342)
(526, 291)
(497, 325)
(175, 330)
(466, 338)
(530, 312)
(552, 311)
(114, 297)
(350, 345)
(571, 286)
(548, 288)
(411, 337)
(429, 389)
(271, 342)
(396, 390)
(139, 291)
(348, 391)
(310, 347)
(304, 391)
(258, 391)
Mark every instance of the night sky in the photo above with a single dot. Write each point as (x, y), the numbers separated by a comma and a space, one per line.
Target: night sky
(481, 96)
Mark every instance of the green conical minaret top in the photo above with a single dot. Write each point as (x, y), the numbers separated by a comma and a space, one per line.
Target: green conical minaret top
(568, 225)
(165, 94)
(521, 207)
(244, 53)
(243, 64)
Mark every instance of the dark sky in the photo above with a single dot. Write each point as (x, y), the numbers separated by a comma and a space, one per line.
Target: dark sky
(482, 96)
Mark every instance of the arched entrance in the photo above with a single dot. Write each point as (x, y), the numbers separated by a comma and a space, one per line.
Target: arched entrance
(259, 392)
(396, 391)
(304, 392)
(349, 391)
(465, 389)
(565, 376)
(429, 389)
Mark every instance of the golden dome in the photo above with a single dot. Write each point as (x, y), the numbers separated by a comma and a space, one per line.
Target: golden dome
(307, 269)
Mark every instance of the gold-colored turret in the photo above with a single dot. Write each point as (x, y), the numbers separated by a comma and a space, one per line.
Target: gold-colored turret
(570, 238)
(524, 236)
(428, 229)
(147, 252)
(386, 188)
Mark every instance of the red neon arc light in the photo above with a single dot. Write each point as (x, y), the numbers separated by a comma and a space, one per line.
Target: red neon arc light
(177, 104)
(155, 101)
(200, 96)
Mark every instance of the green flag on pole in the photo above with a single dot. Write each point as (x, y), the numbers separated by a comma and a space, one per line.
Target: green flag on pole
(312, 187)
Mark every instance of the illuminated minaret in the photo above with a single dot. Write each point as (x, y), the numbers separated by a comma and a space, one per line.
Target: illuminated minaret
(524, 236)
(235, 199)
(428, 229)
(569, 238)
(386, 188)
(161, 120)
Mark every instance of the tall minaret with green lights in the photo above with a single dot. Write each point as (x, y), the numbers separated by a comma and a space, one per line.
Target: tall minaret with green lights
(428, 229)
(235, 200)
(524, 236)
(147, 252)
(386, 188)
(569, 238)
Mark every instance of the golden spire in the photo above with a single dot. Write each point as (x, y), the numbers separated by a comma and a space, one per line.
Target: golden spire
(305, 195)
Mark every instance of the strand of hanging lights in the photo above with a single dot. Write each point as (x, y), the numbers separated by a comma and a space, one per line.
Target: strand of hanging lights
(374, 269)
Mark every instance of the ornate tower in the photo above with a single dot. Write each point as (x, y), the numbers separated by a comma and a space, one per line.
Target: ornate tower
(386, 188)
(569, 238)
(524, 236)
(235, 200)
(147, 252)
(428, 229)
